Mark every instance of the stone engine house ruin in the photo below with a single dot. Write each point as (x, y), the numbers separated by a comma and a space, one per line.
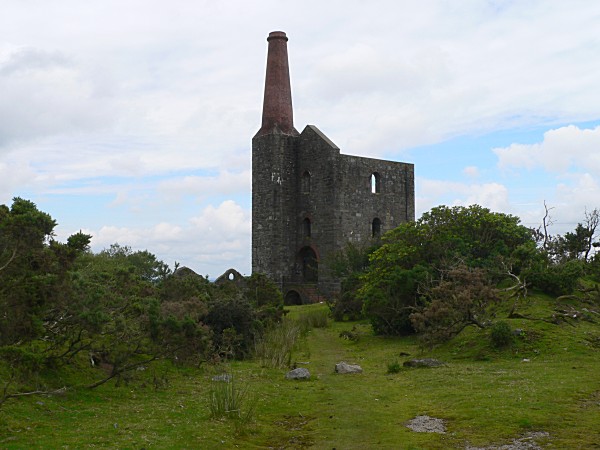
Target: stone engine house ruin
(308, 200)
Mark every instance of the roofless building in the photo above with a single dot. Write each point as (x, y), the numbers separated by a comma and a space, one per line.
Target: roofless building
(308, 199)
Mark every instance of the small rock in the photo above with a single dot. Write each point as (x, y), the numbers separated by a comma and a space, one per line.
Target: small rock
(298, 374)
(222, 377)
(344, 367)
(426, 362)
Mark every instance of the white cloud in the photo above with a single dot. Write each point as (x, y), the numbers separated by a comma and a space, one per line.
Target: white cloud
(431, 193)
(471, 171)
(12, 177)
(140, 104)
(561, 149)
(46, 94)
(211, 242)
(571, 155)
(225, 183)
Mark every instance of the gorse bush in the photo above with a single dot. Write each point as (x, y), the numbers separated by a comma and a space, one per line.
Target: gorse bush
(501, 335)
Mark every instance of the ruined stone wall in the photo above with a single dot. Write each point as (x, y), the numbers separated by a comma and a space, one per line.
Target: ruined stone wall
(358, 206)
(308, 200)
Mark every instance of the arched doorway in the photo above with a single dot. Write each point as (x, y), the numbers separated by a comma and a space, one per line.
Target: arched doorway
(307, 261)
(292, 298)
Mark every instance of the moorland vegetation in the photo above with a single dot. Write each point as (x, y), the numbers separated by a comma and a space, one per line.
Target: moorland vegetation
(135, 353)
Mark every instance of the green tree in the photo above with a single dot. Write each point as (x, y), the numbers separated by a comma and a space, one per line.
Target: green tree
(34, 268)
(266, 298)
(418, 251)
(349, 265)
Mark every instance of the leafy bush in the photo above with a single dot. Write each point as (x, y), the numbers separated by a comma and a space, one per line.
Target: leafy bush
(348, 305)
(557, 279)
(389, 302)
(425, 250)
(234, 324)
(349, 265)
(501, 335)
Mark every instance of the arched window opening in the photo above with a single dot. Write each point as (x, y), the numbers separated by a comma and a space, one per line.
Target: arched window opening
(231, 277)
(307, 261)
(306, 227)
(306, 182)
(375, 183)
(376, 228)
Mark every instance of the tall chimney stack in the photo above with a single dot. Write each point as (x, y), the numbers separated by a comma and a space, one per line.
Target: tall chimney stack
(277, 103)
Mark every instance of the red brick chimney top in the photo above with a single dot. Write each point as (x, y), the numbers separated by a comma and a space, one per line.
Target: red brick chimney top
(277, 35)
(277, 103)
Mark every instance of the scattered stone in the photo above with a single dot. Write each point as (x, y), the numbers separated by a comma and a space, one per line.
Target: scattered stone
(525, 360)
(518, 332)
(426, 362)
(527, 442)
(426, 424)
(225, 377)
(344, 367)
(298, 374)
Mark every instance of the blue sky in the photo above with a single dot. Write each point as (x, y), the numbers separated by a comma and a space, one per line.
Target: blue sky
(132, 120)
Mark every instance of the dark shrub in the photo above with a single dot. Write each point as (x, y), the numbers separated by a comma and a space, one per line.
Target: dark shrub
(501, 335)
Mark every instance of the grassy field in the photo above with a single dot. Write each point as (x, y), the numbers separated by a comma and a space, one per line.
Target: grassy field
(548, 380)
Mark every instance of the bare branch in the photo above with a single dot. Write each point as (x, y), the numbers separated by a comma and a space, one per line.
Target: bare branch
(5, 395)
(546, 222)
(14, 254)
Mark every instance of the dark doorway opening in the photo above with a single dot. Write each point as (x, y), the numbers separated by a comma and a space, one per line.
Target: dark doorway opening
(376, 228)
(292, 298)
(307, 260)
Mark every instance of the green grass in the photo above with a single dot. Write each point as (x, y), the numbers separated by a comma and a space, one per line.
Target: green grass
(274, 348)
(485, 395)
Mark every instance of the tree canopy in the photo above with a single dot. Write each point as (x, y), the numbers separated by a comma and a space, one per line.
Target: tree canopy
(422, 251)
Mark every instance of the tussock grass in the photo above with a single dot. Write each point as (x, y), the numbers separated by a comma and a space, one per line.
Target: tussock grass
(274, 349)
(313, 318)
(227, 400)
(394, 367)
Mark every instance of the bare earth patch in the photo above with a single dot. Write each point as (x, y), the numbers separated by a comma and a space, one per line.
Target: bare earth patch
(426, 424)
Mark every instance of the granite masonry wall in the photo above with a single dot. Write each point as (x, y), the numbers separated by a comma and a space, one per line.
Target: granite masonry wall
(308, 199)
